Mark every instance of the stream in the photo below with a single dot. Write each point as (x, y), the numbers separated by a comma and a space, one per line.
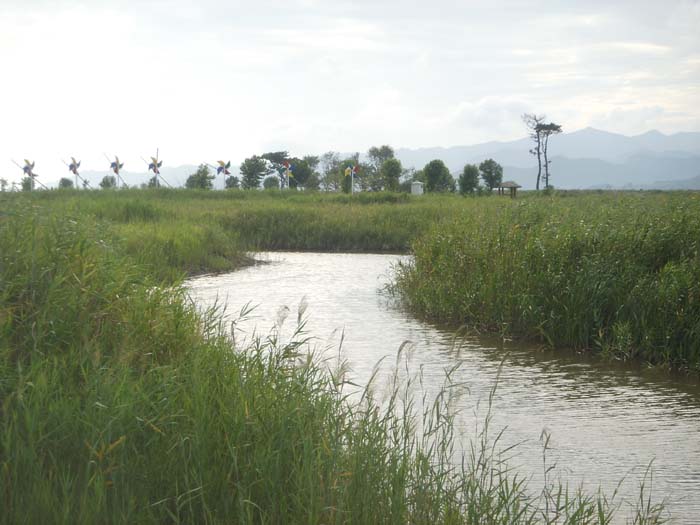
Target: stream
(607, 422)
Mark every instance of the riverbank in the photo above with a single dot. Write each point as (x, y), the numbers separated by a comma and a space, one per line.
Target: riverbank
(121, 403)
(609, 272)
(618, 274)
(184, 232)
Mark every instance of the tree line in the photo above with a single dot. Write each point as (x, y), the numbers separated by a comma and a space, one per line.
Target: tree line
(379, 170)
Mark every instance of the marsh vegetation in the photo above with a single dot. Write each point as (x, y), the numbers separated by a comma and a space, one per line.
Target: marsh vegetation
(120, 402)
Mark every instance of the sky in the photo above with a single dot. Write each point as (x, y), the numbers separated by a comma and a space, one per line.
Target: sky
(225, 79)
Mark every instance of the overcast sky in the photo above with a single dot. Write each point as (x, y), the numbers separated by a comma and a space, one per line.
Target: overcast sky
(211, 79)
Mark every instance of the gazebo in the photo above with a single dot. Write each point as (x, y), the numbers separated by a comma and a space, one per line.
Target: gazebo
(512, 186)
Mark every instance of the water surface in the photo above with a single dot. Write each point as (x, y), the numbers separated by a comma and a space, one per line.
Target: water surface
(606, 422)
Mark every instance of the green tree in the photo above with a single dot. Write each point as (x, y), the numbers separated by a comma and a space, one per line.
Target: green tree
(390, 174)
(379, 155)
(202, 179)
(331, 176)
(372, 177)
(276, 160)
(408, 176)
(3, 185)
(252, 171)
(108, 182)
(65, 183)
(469, 179)
(312, 160)
(313, 182)
(491, 173)
(298, 173)
(153, 182)
(437, 177)
(232, 182)
(271, 182)
(26, 184)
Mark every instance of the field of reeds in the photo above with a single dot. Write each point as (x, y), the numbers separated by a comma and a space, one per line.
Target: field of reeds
(176, 231)
(618, 273)
(120, 403)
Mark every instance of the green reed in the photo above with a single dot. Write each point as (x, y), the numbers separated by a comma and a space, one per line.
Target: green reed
(618, 273)
(120, 403)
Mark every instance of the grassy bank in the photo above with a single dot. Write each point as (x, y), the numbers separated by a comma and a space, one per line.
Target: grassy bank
(619, 273)
(611, 272)
(172, 231)
(120, 404)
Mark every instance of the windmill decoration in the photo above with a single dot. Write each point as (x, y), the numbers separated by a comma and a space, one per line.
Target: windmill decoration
(28, 170)
(223, 167)
(73, 168)
(154, 166)
(288, 171)
(351, 172)
(116, 167)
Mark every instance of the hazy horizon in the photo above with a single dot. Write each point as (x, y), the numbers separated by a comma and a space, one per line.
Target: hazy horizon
(214, 79)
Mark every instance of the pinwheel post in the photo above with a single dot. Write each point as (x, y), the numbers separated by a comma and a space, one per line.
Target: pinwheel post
(28, 170)
(223, 168)
(73, 168)
(154, 166)
(116, 167)
(289, 172)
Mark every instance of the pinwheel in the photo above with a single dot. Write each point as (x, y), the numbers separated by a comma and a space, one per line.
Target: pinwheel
(28, 170)
(223, 167)
(116, 167)
(288, 170)
(351, 172)
(154, 166)
(73, 168)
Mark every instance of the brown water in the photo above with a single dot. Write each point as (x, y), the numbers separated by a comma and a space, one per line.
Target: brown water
(606, 422)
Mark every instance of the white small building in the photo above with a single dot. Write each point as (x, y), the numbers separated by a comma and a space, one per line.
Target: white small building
(416, 188)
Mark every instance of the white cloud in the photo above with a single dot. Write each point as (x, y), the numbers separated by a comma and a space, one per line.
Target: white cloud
(217, 78)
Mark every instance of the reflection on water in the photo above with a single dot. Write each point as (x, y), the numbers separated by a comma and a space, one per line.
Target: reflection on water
(606, 422)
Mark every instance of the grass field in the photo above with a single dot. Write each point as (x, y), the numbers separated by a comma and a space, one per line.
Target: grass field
(618, 273)
(176, 231)
(121, 404)
(610, 272)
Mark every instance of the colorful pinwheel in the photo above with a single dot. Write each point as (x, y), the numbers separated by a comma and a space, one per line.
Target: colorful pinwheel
(154, 165)
(73, 166)
(223, 167)
(288, 171)
(28, 169)
(351, 172)
(116, 166)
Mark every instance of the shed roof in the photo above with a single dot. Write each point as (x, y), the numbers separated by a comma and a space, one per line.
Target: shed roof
(509, 184)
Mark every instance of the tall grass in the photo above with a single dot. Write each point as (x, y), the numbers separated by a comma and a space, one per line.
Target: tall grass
(184, 231)
(121, 404)
(614, 272)
(618, 273)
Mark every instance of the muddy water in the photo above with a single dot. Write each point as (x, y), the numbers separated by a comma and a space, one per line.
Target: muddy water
(606, 422)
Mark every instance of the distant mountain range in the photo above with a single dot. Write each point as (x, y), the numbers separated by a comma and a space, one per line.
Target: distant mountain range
(589, 158)
(584, 159)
